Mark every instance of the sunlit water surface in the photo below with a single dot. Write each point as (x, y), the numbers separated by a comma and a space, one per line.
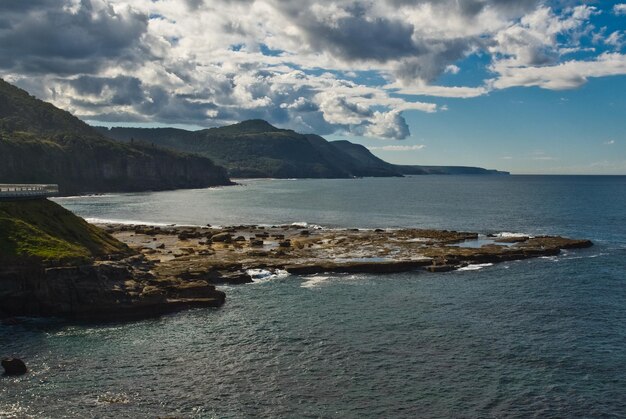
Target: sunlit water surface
(541, 337)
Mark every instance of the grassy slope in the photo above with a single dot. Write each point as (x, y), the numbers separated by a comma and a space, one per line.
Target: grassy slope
(45, 231)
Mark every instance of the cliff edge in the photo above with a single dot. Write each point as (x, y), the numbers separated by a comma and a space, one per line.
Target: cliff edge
(53, 263)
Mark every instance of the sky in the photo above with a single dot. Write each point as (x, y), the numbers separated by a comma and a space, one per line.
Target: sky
(527, 86)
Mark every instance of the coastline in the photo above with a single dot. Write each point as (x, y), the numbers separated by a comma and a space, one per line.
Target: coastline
(154, 270)
(225, 255)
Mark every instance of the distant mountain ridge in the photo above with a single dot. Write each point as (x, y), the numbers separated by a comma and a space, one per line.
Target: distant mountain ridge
(256, 149)
(40, 143)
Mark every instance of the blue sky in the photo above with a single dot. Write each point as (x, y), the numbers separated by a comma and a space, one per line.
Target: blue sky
(529, 86)
(523, 130)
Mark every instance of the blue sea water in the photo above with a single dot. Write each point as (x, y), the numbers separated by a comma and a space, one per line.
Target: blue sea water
(543, 337)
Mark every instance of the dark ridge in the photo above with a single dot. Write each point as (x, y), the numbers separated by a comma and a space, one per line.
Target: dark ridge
(257, 149)
(40, 143)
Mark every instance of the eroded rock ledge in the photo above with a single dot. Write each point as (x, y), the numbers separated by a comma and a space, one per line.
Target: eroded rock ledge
(225, 255)
(106, 290)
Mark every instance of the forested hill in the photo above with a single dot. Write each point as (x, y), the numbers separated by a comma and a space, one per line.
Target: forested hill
(40, 143)
(255, 148)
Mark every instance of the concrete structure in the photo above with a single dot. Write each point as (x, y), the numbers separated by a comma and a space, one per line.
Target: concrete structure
(12, 192)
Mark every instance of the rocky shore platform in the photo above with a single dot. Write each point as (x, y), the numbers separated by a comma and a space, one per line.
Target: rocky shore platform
(54, 263)
(230, 255)
(120, 288)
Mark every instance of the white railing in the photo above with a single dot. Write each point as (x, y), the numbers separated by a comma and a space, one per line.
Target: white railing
(27, 191)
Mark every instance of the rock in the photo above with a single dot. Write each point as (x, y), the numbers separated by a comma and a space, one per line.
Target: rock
(256, 243)
(515, 239)
(285, 243)
(440, 268)
(234, 278)
(222, 238)
(240, 239)
(305, 233)
(14, 366)
(358, 267)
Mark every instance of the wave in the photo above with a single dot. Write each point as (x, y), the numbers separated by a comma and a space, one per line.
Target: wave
(95, 220)
(510, 234)
(314, 281)
(304, 224)
(72, 197)
(264, 275)
(475, 267)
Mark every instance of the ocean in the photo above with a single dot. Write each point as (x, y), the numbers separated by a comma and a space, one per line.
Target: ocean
(542, 337)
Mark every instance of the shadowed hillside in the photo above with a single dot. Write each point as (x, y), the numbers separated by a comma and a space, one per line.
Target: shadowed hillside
(255, 148)
(40, 143)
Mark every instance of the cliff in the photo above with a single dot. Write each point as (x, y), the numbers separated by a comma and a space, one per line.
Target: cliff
(40, 143)
(257, 149)
(53, 263)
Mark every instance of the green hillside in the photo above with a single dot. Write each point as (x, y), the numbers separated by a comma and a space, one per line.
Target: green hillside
(41, 230)
(257, 149)
(40, 143)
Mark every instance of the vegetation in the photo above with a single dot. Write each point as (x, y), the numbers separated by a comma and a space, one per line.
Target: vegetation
(257, 149)
(41, 230)
(43, 144)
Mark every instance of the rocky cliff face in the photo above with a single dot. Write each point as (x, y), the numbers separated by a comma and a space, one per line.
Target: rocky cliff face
(53, 263)
(257, 149)
(40, 143)
(97, 167)
(103, 291)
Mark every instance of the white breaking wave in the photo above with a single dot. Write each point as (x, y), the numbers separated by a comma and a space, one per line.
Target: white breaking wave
(93, 220)
(264, 275)
(314, 282)
(304, 224)
(475, 267)
(67, 198)
(509, 234)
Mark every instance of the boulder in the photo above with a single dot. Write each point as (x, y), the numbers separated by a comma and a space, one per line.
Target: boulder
(222, 237)
(14, 366)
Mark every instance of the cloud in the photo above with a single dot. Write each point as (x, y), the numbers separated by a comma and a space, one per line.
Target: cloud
(387, 125)
(609, 142)
(440, 91)
(620, 9)
(542, 156)
(567, 75)
(320, 66)
(42, 37)
(615, 39)
(398, 147)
